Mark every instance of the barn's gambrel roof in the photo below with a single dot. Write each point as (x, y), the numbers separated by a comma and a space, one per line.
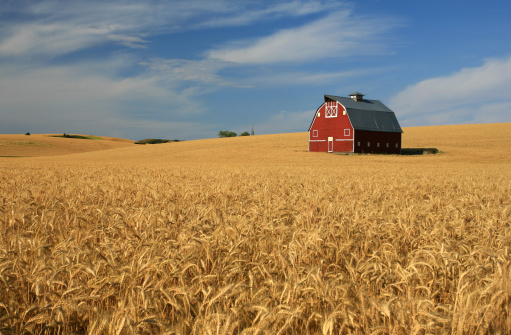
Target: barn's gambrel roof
(369, 115)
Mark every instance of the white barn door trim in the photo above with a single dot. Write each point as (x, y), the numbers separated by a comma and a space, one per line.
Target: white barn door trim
(330, 144)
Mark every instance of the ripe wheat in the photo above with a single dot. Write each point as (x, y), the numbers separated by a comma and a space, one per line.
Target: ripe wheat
(256, 236)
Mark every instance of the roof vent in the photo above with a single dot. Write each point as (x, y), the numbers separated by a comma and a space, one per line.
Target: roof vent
(357, 96)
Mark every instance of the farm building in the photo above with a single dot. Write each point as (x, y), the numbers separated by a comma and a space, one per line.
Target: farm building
(354, 124)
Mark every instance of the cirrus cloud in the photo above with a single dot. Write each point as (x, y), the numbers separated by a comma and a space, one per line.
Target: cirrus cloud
(339, 34)
(53, 28)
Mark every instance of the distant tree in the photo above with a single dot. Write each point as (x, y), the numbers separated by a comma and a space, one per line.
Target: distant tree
(226, 133)
(152, 141)
(27, 133)
(245, 133)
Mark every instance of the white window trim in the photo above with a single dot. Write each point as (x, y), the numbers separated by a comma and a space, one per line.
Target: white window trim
(331, 111)
(314, 133)
(348, 132)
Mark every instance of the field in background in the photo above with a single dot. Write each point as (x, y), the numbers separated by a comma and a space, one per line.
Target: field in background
(36, 145)
(255, 235)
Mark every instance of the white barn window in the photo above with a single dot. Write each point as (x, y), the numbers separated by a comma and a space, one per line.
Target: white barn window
(331, 109)
(314, 133)
(346, 132)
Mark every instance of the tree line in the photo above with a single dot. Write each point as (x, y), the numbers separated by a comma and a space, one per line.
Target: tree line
(227, 133)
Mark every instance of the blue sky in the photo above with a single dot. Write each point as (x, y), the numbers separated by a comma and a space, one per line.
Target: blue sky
(187, 69)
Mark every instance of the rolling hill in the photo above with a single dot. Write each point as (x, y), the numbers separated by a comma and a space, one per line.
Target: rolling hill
(474, 143)
(36, 145)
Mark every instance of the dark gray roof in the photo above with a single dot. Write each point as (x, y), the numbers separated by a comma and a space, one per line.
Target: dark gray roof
(368, 114)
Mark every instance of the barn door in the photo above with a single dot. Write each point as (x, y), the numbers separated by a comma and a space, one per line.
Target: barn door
(330, 144)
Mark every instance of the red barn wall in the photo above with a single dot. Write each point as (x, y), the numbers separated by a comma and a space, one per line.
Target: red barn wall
(362, 138)
(331, 127)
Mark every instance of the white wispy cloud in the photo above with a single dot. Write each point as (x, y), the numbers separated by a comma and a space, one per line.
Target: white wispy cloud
(206, 73)
(339, 34)
(128, 41)
(47, 39)
(197, 71)
(247, 15)
(470, 95)
(53, 28)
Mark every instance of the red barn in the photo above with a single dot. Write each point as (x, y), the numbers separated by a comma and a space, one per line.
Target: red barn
(354, 124)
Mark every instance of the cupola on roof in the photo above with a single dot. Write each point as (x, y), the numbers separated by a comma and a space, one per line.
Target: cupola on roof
(357, 96)
(357, 93)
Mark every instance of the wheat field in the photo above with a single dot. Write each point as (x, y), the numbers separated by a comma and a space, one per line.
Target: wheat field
(48, 145)
(254, 235)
